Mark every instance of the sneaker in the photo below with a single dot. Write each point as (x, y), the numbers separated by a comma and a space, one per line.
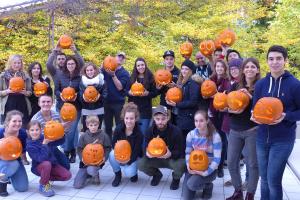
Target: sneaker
(228, 183)
(3, 190)
(46, 190)
(220, 173)
(1, 176)
(175, 184)
(96, 180)
(118, 176)
(25, 162)
(237, 195)
(207, 191)
(134, 178)
(249, 196)
(156, 179)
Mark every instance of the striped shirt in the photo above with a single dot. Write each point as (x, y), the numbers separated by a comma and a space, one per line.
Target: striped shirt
(213, 149)
(39, 117)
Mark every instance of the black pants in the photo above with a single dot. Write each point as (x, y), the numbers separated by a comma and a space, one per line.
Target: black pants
(111, 111)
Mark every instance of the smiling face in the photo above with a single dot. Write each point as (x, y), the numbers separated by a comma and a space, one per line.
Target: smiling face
(141, 67)
(200, 122)
(15, 123)
(90, 71)
(161, 121)
(234, 72)
(35, 132)
(250, 70)
(45, 102)
(60, 60)
(129, 120)
(233, 55)
(16, 64)
(71, 65)
(185, 71)
(220, 69)
(36, 70)
(276, 63)
(169, 61)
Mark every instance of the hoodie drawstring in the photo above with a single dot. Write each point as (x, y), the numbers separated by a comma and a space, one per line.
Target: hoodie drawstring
(279, 87)
(270, 86)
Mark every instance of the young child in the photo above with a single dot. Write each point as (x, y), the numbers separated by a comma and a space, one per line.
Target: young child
(90, 136)
(44, 162)
(203, 137)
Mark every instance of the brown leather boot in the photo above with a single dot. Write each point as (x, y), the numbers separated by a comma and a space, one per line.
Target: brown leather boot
(249, 196)
(237, 195)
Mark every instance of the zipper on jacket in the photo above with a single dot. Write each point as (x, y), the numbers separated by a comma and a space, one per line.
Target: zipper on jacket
(272, 95)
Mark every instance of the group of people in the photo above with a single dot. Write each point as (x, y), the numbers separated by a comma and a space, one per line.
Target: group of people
(226, 136)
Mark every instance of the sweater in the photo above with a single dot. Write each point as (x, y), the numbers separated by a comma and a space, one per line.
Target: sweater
(213, 149)
(287, 89)
(22, 137)
(171, 135)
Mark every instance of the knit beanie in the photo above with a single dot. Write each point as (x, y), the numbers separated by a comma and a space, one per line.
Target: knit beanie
(188, 63)
(235, 63)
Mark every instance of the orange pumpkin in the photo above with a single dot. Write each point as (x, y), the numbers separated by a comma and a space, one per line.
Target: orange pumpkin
(208, 88)
(218, 44)
(207, 47)
(137, 89)
(68, 112)
(93, 154)
(157, 147)
(16, 84)
(90, 94)
(198, 160)
(237, 100)
(110, 63)
(163, 77)
(54, 130)
(122, 151)
(186, 49)
(65, 41)
(68, 93)
(10, 148)
(174, 94)
(40, 88)
(220, 101)
(227, 37)
(267, 110)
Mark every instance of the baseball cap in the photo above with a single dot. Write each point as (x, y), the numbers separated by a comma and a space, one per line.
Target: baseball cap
(169, 53)
(160, 109)
(121, 53)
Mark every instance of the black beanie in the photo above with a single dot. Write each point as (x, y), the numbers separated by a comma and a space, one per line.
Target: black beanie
(189, 64)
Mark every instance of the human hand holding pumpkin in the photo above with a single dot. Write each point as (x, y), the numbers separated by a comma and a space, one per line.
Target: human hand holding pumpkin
(246, 92)
(277, 121)
(73, 47)
(172, 84)
(190, 170)
(167, 155)
(146, 93)
(171, 103)
(253, 119)
(235, 111)
(111, 73)
(158, 86)
(46, 141)
(148, 155)
(26, 93)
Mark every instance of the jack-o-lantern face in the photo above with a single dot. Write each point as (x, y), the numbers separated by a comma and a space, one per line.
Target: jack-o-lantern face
(157, 147)
(198, 160)
(68, 112)
(208, 88)
(122, 151)
(267, 110)
(220, 101)
(65, 42)
(163, 77)
(227, 37)
(186, 49)
(53, 130)
(10, 148)
(90, 94)
(237, 100)
(137, 89)
(68, 93)
(16, 84)
(207, 47)
(40, 88)
(93, 154)
(110, 63)
(174, 94)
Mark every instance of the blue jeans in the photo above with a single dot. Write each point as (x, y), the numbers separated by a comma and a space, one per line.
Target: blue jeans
(15, 172)
(272, 158)
(128, 170)
(72, 135)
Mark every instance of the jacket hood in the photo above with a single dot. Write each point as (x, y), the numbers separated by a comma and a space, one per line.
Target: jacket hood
(272, 81)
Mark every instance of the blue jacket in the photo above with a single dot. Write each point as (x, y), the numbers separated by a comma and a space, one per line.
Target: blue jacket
(188, 106)
(22, 137)
(39, 152)
(287, 89)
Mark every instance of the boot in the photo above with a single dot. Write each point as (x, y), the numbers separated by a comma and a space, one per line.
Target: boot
(134, 178)
(207, 191)
(237, 195)
(118, 176)
(73, 156)
(175, 184)
(3, 190)
(24, 159)
(156, 178)
(249, 196)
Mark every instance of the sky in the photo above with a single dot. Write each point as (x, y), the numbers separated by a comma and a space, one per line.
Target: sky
(10, 2)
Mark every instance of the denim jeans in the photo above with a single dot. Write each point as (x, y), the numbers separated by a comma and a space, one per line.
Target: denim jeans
(237, 141)
(82, 175)
(15, 172)
(72, 135)
(272, 158)
(144, 125)
(128, 170)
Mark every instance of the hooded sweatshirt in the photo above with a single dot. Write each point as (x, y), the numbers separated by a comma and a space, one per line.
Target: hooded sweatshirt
(287, 89)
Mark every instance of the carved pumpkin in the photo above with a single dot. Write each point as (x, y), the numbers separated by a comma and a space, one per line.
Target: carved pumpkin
(110, 63)
(16, 84)
(68, 112)
(10, 148)
(174, 94)
(227, 37)
(186, 49)
(65, 41)
(90, 94)
(40, 88)
(137, 89)
(68, 93)
(157, 147)
(267, 110)
(122, 151)
(93, 154)
(208, 88)
(237, 100)
(163, 77)
(218, 44)
(207, 47)
(198, 160)
(53, 130)
(220, 101)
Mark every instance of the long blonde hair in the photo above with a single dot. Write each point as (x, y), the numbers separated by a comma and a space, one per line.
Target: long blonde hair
(11, 59)
(181, 80)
